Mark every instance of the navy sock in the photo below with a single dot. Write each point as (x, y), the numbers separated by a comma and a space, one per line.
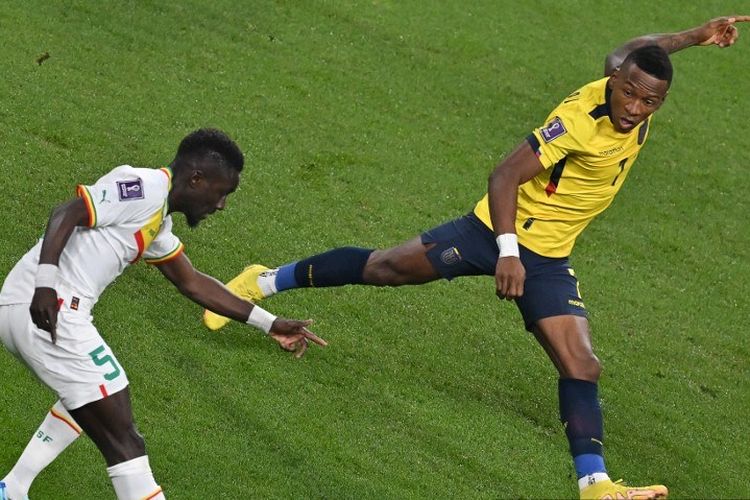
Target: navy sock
(340, 266)
(581, 415)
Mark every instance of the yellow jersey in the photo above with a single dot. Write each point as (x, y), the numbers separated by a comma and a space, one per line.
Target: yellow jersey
(585, 163)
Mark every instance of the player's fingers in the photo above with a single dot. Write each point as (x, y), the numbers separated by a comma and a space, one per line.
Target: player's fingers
(310, 335)
(53, 318)
(36, 319)
(499, 288)
(729, 34)
(52, 324)
(506, 286)
(287, 346)
(44, 321)
(301, 349)
(512, 291)
(503, 288)
(734, 34)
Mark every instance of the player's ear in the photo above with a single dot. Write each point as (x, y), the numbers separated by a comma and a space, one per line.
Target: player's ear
(196, 177)
(612, 78)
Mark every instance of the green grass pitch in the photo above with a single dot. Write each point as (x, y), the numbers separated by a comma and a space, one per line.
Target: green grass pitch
(365, 123)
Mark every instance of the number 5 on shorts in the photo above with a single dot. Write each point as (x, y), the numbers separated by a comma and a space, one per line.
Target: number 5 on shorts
(103, 361)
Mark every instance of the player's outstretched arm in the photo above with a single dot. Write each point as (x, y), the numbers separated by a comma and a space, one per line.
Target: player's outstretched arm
(291, 335)
(62, 222)
(720, 31)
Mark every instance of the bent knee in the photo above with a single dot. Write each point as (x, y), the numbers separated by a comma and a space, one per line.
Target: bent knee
(406, 264)
(383, 268)
(128, 444)
(587, 368)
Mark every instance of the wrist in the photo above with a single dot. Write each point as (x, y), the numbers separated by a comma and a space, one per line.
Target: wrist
(507, 244)
(261, 319)
(46, 276)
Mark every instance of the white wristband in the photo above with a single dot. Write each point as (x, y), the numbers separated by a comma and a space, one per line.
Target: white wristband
(260, 318)
(46, 276)
(508, 245)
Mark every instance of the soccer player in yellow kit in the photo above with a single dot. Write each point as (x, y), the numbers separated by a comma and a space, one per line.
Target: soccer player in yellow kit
(539, 200)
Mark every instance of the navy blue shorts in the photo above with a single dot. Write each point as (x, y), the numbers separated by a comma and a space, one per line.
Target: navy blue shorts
(466, 247)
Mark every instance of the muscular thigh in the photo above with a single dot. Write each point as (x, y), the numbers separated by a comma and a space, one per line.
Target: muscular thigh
(80, 367)
(551, 289)
(461, 247)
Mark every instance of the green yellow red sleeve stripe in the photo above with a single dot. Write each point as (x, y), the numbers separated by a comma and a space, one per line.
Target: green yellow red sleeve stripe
(166, 258)
(83, 192)
(138, 236)
(168, 172)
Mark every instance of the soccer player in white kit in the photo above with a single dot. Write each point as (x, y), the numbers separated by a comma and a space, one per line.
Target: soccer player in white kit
(47, 299)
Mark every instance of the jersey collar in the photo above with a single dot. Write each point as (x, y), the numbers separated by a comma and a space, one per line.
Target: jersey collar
(603, 109)
(168, 172)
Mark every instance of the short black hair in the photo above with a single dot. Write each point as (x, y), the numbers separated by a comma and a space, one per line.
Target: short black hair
(653, 60)
(209, 143)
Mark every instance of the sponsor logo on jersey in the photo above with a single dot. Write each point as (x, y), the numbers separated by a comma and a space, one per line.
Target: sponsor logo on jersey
(553, 130)
(74, 303)
(130, 190)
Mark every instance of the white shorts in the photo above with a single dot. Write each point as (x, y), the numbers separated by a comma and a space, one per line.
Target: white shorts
(80, 367)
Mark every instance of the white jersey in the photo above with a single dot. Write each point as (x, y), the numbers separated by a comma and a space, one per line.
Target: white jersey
(127, 220)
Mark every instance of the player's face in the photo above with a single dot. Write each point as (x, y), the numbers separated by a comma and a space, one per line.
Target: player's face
(209, 192)
(635, 95)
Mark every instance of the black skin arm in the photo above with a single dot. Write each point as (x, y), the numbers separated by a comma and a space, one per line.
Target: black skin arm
(63, 220)
(208, 292)
(204, 290)
(720, 31)
(517, 168)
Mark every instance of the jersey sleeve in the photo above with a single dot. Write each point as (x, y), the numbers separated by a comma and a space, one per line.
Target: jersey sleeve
(565, 133)
(165, 247)
(118, 197)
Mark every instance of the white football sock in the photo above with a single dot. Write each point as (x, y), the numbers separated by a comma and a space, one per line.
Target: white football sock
(133, 480)
(267, 282)
(596, 477)
(57, 432)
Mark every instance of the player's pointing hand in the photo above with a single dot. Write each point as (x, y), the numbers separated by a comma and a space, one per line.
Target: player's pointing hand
(721, 31)
(293, 335)
(43, 310)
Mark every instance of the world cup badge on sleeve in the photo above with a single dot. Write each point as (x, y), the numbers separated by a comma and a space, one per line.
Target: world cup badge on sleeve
(130, 190)
(553, 130)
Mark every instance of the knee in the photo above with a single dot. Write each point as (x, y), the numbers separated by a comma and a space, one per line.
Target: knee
(127, 444)
(587, 368)
(383, 268)
(136, 442)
